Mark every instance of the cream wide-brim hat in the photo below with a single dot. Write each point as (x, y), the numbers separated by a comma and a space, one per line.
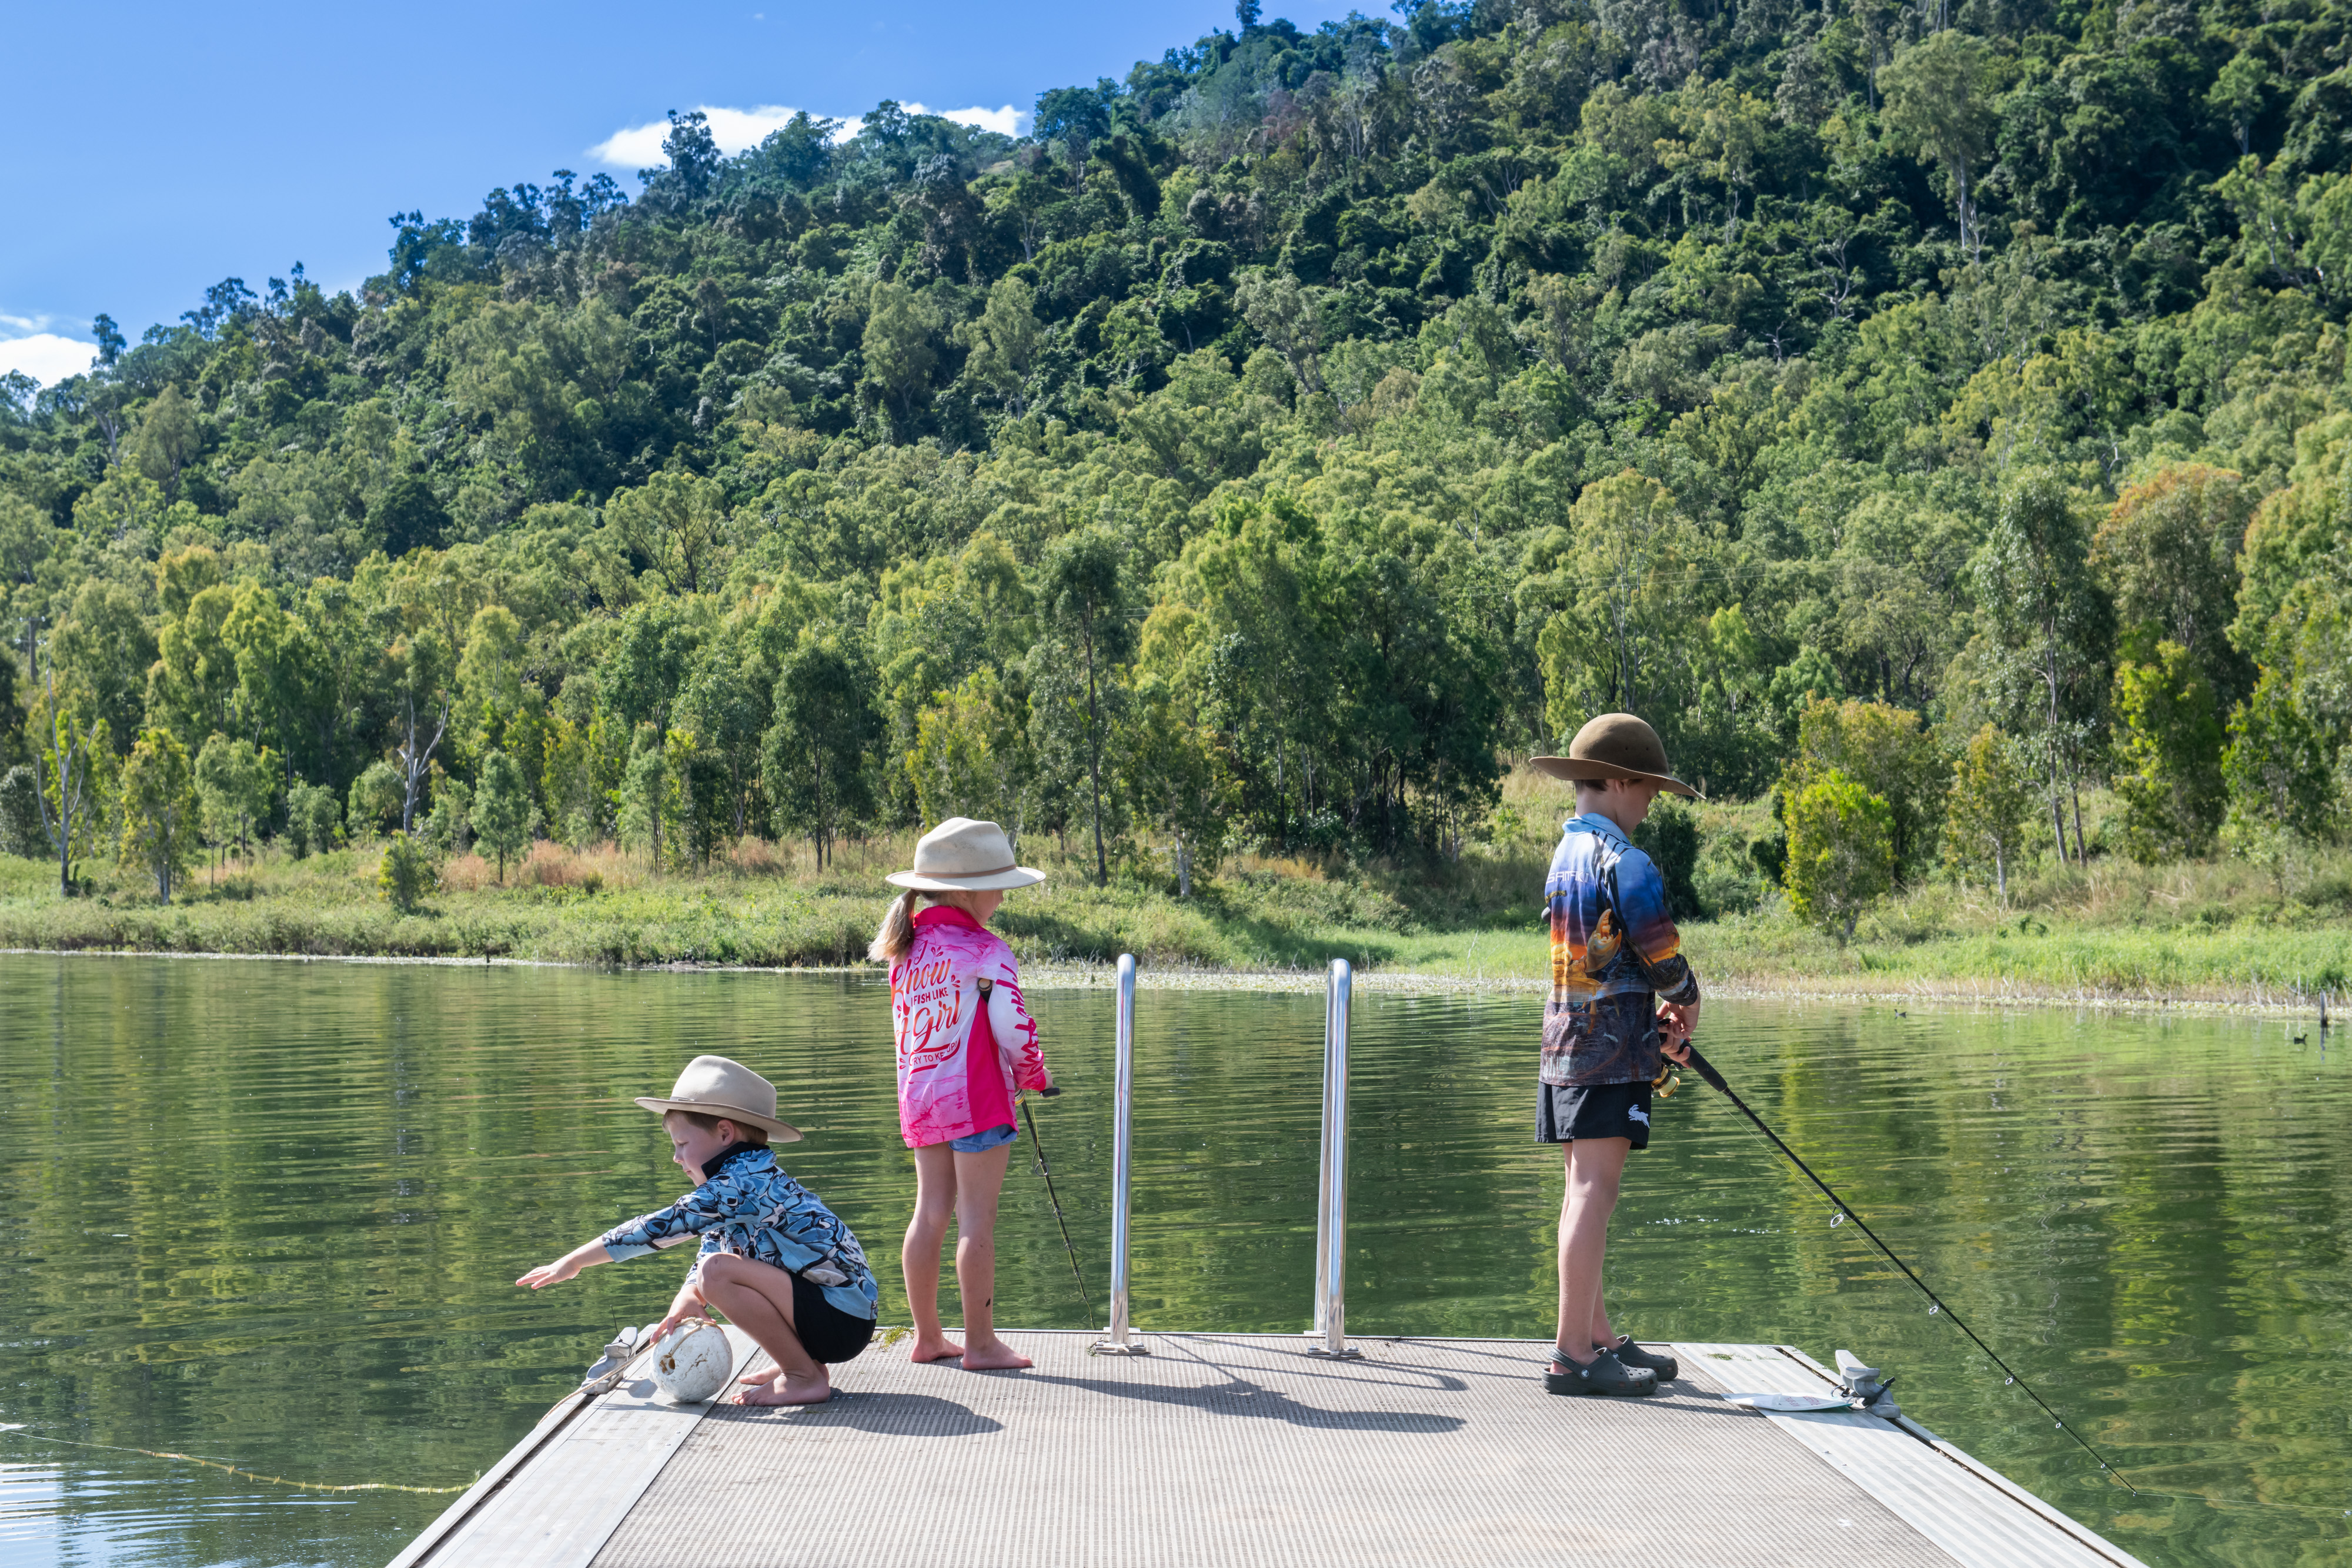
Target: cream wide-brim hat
(1615, 746)
(715, 1086)
(961, 856)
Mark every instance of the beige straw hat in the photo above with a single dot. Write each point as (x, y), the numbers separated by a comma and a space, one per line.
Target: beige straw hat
(714, 1086)
(961, 856)
(1615, 746)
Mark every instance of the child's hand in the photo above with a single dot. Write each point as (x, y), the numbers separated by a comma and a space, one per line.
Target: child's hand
(564, 1268)
(1675, 1025)
(687, 1303)
(547, 1274)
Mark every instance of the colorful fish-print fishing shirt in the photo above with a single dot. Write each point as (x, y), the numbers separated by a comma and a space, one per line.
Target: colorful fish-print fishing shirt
(1614, 953)
(960, 1060)
(749, 1207)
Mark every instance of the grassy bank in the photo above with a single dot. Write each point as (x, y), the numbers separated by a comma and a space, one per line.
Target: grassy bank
(2204, 931)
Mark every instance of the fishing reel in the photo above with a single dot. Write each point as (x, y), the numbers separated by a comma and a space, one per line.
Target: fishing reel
(1667, 1080)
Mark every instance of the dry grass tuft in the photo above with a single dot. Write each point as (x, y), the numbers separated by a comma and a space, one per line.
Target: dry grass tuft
(764, 857)
(468, 874)
(601, 867)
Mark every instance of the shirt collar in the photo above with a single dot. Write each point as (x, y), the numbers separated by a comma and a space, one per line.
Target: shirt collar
(727, 1156)
(947, 915)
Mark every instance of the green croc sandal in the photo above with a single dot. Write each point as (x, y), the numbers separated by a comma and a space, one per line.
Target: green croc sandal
(1632, 1355)
(1606, 1375)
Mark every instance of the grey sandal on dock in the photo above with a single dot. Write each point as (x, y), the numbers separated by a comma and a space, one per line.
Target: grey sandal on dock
(1605, 1375)
(1632, 1355)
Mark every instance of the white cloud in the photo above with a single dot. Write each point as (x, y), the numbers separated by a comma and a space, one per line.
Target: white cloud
(1005, 121)
(735, 130)
(739, 129)
(45, 356)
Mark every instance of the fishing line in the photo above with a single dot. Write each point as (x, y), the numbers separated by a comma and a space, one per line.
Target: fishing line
(1935, 1305)
(1055, 1198)
(233, 1470)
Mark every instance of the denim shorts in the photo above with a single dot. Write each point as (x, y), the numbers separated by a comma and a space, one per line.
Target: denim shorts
(996, 1137)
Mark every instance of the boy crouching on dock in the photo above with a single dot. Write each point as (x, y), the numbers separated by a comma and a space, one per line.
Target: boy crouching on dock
(778, 1262)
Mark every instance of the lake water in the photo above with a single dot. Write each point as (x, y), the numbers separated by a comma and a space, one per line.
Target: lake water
(266, 1214)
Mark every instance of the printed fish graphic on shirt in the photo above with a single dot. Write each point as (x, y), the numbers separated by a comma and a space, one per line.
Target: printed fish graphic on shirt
(1603, 945)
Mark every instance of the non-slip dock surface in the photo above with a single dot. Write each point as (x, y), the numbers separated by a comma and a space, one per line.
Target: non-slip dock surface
(1240, 1449)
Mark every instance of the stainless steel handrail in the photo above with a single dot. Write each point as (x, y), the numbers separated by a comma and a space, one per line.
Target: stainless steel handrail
(1116, 1340)
(1331, 1192)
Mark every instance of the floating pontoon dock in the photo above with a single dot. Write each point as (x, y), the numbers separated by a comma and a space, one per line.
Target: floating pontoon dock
(1201, 1451)
(1242, 1449)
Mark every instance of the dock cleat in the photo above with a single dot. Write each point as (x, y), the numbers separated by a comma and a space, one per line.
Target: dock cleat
(1865, 1387)
(605, 1375)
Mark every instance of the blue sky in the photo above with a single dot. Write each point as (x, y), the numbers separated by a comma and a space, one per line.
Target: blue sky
(163, 147)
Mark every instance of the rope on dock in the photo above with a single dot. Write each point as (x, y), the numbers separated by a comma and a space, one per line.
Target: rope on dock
(234, 1471)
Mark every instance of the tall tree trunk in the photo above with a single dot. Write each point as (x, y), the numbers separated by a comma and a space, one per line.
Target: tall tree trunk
(69, 759)
(1094, 752)
(2075, 793)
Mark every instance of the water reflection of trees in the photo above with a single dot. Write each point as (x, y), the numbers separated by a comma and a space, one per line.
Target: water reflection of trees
(271, 1212)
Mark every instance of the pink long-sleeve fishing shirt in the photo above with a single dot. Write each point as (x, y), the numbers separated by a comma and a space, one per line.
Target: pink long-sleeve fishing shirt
(959, 1062)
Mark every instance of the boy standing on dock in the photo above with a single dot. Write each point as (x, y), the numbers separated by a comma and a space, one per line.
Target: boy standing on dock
(1621, 994)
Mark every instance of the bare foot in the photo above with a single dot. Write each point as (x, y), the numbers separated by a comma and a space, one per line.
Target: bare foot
(997, 1357)
(783, 1388)
(940, 1349)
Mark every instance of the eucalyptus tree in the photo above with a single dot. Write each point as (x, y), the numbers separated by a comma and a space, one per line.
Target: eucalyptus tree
(2043, 631)
(815, 762)
(1939, 101)
(1084, 591)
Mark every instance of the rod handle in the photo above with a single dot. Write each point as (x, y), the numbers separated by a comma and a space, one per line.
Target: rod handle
(1048, 1093)
(1706, 1070)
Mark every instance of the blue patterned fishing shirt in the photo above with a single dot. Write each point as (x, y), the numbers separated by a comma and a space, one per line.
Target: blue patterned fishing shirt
(748, 1206)
(1615, 953)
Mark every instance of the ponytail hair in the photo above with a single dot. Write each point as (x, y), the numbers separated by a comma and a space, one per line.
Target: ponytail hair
(897, 934)
(895, 937)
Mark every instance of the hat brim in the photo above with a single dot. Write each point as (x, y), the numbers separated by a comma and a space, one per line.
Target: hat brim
(1574, 767)
(778, 1131)
(1019, 876)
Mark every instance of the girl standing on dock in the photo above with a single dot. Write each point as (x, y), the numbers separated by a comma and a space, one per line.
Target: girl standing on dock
(966, 1045)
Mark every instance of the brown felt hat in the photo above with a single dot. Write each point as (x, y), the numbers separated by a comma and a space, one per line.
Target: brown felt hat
(717, 1086)
(1615, 746)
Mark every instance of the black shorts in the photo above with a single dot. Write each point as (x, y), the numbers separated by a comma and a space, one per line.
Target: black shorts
(825, 1331)
(1567, 1112)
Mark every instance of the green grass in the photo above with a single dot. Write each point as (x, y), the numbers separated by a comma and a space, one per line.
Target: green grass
(2205, 931)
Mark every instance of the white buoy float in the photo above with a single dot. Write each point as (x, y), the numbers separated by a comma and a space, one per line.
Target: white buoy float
(693, 1362)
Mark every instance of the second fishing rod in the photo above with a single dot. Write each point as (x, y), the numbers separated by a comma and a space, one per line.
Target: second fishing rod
(1936, 1307)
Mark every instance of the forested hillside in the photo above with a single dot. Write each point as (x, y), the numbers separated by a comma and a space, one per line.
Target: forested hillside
(1932, 411)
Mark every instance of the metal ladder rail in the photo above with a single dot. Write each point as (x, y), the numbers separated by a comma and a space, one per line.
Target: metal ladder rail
(1331, 1188)
(1117, 1338)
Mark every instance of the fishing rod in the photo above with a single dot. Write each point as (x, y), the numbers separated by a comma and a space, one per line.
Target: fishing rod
(1936, 1306)
(1055, 1198)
